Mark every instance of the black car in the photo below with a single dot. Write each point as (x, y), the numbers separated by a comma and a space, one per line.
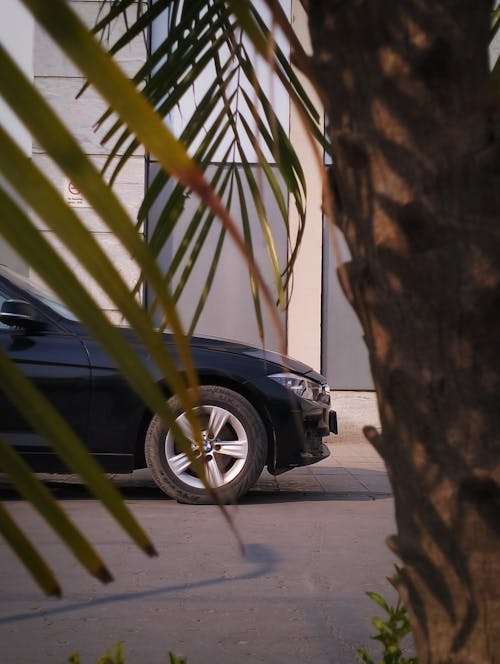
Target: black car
(256, 407)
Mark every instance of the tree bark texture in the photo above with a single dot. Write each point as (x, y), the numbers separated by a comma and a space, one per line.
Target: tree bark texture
(416, 183)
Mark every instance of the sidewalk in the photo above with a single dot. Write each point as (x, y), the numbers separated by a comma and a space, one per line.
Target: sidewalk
(355, 410)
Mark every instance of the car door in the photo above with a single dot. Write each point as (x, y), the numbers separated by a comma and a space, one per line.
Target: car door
(56, 361)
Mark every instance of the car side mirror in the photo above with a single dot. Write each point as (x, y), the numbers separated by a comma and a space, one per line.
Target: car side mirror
(19, 313)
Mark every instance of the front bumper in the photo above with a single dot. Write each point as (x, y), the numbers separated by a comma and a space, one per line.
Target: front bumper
(304, 433)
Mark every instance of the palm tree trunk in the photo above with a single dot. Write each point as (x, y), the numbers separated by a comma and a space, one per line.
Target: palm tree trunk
(416, 182)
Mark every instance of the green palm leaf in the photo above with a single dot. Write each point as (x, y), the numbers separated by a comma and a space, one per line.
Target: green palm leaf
(200, 33)
(38, 494)
(28, 554)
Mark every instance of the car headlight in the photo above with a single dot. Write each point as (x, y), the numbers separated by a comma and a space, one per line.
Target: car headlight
(302, 387)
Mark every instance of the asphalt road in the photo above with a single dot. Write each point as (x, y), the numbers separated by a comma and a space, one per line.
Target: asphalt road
(314, 545)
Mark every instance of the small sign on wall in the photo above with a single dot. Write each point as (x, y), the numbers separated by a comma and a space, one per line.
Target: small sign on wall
(73, 196)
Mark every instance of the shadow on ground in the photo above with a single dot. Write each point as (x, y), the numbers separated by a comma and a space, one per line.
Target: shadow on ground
(293, 488)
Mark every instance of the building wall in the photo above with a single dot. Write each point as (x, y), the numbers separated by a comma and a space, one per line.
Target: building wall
(304, 313)
(16, 37)
(59, 82)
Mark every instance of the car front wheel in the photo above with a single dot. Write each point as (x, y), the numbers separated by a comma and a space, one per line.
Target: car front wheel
(234, 448)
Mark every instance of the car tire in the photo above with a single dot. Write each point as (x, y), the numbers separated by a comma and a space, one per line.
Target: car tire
(235, 443)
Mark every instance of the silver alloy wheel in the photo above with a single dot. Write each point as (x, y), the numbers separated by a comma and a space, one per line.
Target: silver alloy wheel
(225, 447)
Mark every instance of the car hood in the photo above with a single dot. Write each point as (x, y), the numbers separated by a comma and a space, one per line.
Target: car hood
(283, 362)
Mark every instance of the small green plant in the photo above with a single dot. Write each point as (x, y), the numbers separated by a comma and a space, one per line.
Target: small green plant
(118, 657)
(175, 659)
(390, 632)
(110, 657)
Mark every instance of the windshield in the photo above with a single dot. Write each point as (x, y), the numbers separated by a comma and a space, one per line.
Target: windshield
(42, 293)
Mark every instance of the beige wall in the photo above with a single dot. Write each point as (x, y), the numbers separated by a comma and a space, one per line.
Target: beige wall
(304, 314)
